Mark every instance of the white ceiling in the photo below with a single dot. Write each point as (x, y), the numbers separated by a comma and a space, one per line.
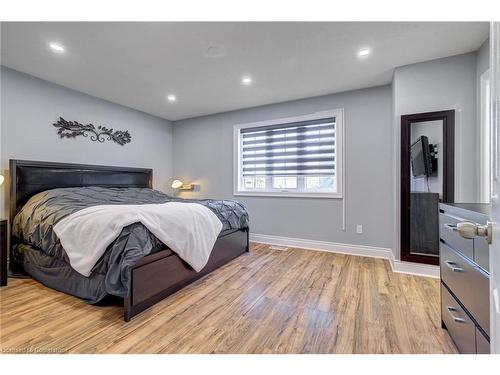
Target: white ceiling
(138, 64)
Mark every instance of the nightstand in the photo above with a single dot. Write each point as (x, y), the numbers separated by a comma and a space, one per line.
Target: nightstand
(3, 252)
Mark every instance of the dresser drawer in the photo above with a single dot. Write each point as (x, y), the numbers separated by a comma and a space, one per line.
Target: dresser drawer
(447, 233)
(468, 282)
(460, 327)
(482, 343)
(482, 252)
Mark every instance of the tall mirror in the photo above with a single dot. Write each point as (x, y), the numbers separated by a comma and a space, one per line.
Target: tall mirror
(427, 179)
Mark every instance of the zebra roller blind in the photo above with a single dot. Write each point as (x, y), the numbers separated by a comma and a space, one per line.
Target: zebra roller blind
(291, 149)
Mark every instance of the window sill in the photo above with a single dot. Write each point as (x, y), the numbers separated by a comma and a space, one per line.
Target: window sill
(289, 195)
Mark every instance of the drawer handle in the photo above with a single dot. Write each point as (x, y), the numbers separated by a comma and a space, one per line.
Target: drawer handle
(451, 227)
(451, 310)
(453, 266)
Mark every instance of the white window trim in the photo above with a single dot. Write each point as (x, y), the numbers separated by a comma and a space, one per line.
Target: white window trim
(339, 144)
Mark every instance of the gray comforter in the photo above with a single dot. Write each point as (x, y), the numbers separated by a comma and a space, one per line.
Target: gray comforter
(44, 258)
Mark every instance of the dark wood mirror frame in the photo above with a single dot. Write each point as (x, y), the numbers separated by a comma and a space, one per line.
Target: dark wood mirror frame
(448, 152)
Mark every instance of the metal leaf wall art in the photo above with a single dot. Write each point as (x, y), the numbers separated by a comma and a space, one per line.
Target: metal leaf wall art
(73, 129)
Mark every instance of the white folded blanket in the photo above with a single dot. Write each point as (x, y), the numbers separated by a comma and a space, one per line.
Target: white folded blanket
(189, 229)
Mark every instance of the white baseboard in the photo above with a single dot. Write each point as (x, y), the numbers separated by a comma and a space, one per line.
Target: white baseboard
(357, 250)
(418, 269)
(333, 247)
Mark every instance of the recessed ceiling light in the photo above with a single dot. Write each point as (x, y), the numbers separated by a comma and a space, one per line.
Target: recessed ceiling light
(56, 47)
(246, 80)
(364, 52)
(171, 98)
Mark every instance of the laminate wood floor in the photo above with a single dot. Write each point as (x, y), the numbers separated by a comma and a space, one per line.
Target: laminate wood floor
(266, 301)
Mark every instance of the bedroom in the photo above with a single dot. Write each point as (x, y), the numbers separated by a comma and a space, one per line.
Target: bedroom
(248, 187)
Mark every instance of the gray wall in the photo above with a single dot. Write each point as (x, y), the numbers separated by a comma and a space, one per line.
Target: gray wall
(482, 65)
(203, 154)
(448, 83)
(483, 59)
(442, 84)
(199, 150)
(29, 107)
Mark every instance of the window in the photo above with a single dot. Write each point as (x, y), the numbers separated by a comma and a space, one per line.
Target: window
(299, 156)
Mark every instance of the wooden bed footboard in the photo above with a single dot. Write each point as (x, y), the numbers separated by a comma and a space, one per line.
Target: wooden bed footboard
(159, 275)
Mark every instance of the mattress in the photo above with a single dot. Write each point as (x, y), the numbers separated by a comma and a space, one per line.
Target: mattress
(43, 257)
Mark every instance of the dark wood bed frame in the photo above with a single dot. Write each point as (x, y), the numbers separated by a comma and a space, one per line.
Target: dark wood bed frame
(153, 277)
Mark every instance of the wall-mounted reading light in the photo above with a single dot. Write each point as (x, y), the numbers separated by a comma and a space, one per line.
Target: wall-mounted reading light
(178, 184)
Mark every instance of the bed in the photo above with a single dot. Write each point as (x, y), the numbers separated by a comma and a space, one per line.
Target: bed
(150, 276)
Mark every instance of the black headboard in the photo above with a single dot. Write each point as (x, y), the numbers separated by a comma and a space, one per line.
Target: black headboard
(31, 177)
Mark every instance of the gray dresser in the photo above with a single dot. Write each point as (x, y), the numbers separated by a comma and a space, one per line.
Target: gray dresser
(465, 310)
